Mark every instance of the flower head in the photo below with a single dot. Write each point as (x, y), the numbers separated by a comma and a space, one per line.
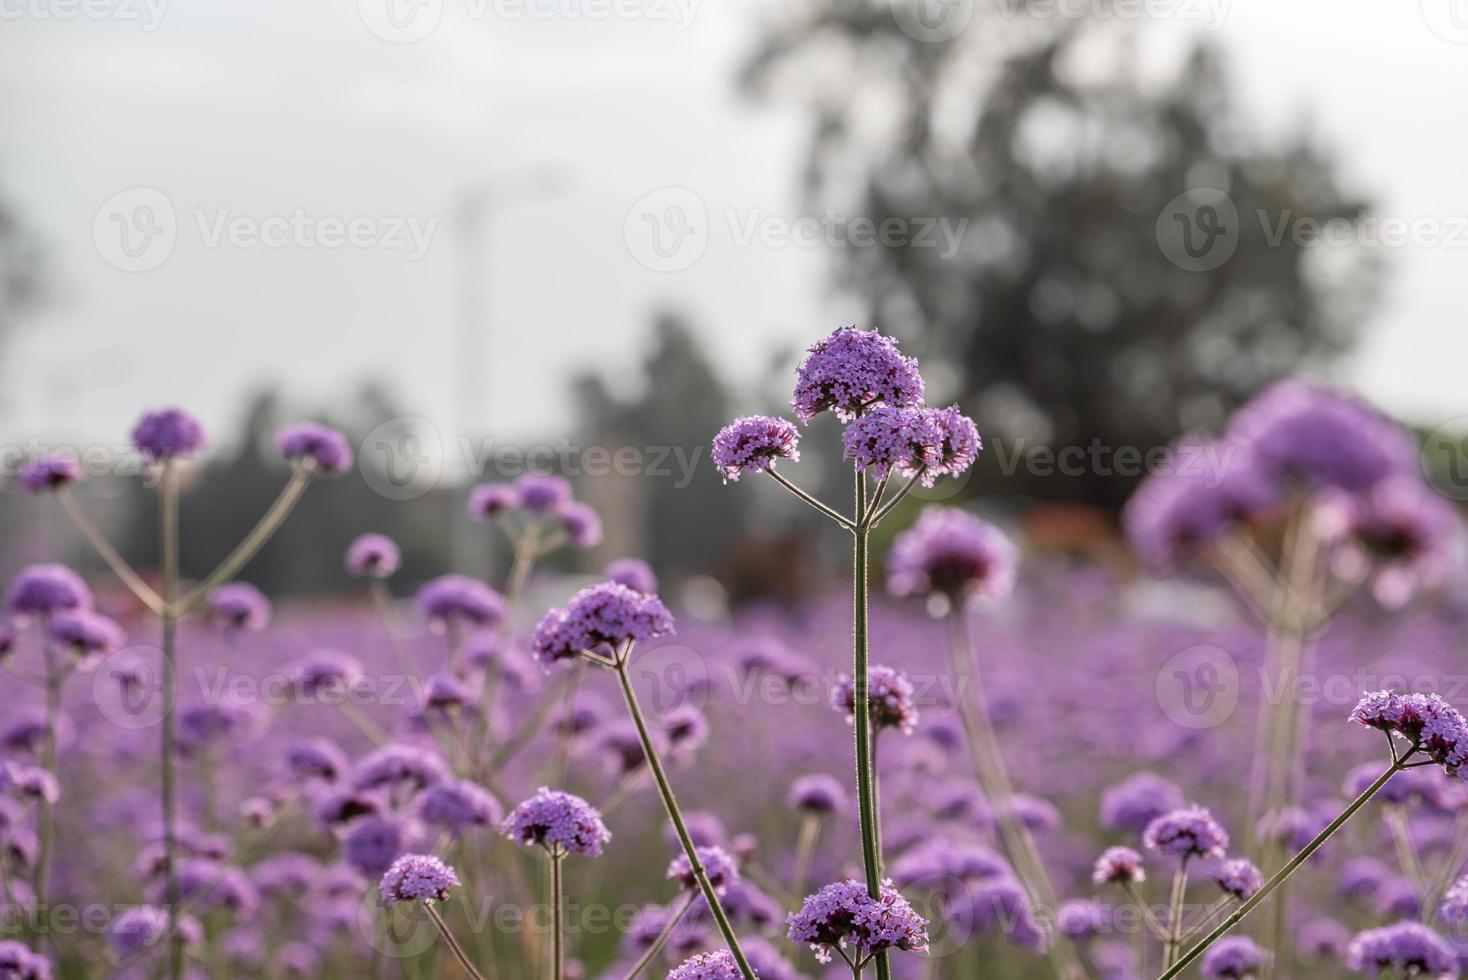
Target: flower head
(851, 371)
(1399, 537)
(45, 590)
(49, 473)
(1409, 948)
(1138, 800)
(1000, 904)
(459, 805)
(373, 556)
(1118, 866)
(1233, 958)
(886, 440)
(961, 444)
(1238, 878)
(542, 493)
(951, 554)
(323, 446)
(168, 433)
(325, 670)
(1436, 727)
(460, 601)
(1211, 488)
(238, 607)
(554, 819)
(721, 868)
(316, 758)
(889, 699)
(1454, 909)
(373, 842)
(819, 794)
(490, 500)
(87, 635)
(605, 615)
(634, 573)
(580, 522)
(843, 915)
(719, 965)
(1187, 832)
(17, 962)
(417, 878)
(752, 444)
(146, 926)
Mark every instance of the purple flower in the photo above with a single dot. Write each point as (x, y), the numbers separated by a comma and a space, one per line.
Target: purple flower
(851, 371)
(87, 635)
(417, 878)
(961, 443)
(1361, 878)
(1408, 948)
(1301, 430)
(1238, 878)
(721, 868)
(325, 672)
(210, 885)
(634, 573)
(1209, 489)
(45, 590)
(146, 926)
(372, 843)
(581, 523)
(7, 641)
(719, 965)
(1454, 909)
(373, 556)
(556, 820)
(819, 794)
(541, 493)
(49, 473)
(599, 616)
(947, 860)
(288, 875)
(325, 447)
(1118, 866)
(18, 963)
(1399, 536)
(999, 904)
(400, 765)
(1233, 958)
(238, 607)
(1426, 720)
(1138, 800)
(1082, 918)
(842, 915)
(952, 554)
(168, 433)
(766, 960)
(1184, 833)
(889, 699)
(459, 805)
(752, 444)
(1322, 939)
(907, 441)
(489, 500)
(457, 601)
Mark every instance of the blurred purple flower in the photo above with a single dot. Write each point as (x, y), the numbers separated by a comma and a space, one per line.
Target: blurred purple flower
(554, 819)
(889, 699)
(634, 573)
(1233, 958)
(238, 607)
(168, 433)
(1185, 833)
(489, 500)
(373, 556)
(951, 554)
(45, 590)
(458, 601)
(49, 473)
(324, 446)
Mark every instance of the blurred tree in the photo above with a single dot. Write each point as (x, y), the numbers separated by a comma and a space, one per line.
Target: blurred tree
(1081, 302)
(20, 268)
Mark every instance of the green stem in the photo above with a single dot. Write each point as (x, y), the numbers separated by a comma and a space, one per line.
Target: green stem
(46, 815)
(670, 803)
(1175, 912)
(832, 514)
(168, 520)
(448, 937)
(662, 940)
(558, 919)
(1283, 874)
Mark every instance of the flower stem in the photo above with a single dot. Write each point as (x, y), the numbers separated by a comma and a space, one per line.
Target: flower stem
(1283, 873)
(833, 515)
(558, 919)
(1175, 912)
(662, 938)
(107, 553)
(448, 937)
(46, 815)
(810, 832)
(670, 803)
(168, 521)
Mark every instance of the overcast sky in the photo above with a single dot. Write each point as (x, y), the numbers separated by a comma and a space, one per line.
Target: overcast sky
(241, 191)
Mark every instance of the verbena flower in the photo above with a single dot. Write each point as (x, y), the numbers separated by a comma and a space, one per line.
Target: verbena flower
(542, 493)
(1426, 720)
(88, 636)
(752, 445)
(287, 875)
(19, 963)
(1408, 948)
(460, 601)
(888, 440)
(889, 699)
(49, 473)
(417, 878)
(581, 523)
(843, 916)
(554, 819)
(952, 554)
(238, 607)
(818, 793)
(1000, 904)
(766, 961)
(1082, 918)
(1413, 787)
(597, 617)
(45, 590)
(372, 843)
(1118, 866)
(489, 500)
(324, 672)
(1233, 958)
(398, 765)
(1399, 537)
(212, 885)
(1454, 909)
(853, 370)
(1238, 878)
(1188, 832)
(324, 446)
(1210, 489)
(634, 573)
(459, 805)
(373, 556)
(168, 433)
(945, 860)
(146, 926)
(721, 868)
(1138, 800)
(1322, 939)
(719, 965)
(961, 444)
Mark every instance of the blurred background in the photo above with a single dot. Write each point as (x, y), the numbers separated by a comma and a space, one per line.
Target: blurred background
(491, 236)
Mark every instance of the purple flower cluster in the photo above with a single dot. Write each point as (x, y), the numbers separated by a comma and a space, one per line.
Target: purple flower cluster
(602, 616)
(1186, 833)
(538, 497)
(458, 805)
(1211, 489)
(952, 554)
(45, 590)
(86, 635)
(1399, 535)
(634, 573)
(752, 444)
(1238, 878)
(719, 965)
(1425, 720)
(1234, 958)
(842, 915)
(851, 371)
(1454, 910)
(49, 473)
(168, 433)
(818, 794)
(1118, 866)
(553, 819)
(889, 699)
(417, 878)
(1138, 800)
(1408, 948)
(460, 602)
(19, 963)
(718, 864)
(911, 442)
(325, 448)
(238, 607)
(373, 556)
